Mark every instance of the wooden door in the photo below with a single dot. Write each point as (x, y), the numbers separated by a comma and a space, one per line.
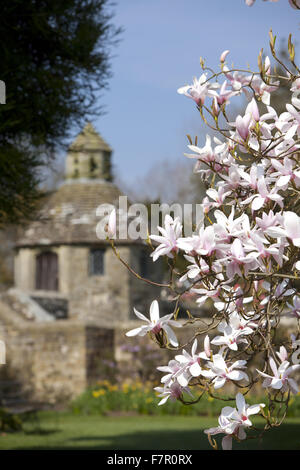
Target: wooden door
(47, 271)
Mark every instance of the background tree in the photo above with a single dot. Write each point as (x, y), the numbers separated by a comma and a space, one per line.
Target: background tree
(55, 57)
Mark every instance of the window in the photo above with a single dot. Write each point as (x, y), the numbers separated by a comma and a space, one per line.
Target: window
(144, 260)
(46, 271)
(96, 262)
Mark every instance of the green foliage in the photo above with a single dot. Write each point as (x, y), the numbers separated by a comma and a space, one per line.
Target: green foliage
(55, 57)
(9, 421)
(142, 399)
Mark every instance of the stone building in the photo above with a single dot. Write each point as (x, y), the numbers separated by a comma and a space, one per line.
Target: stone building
(71, 293)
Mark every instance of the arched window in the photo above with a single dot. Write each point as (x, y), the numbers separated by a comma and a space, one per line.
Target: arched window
(46, 271)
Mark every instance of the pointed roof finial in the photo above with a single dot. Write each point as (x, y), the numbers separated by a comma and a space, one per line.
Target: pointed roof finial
(89, 139)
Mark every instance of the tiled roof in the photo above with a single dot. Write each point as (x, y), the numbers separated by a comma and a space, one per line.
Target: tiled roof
(68, 215)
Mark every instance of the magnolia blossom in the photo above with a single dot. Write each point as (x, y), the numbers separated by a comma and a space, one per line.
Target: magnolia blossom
(286, 172)
(233, 421)
(281, 380)
(233, 332)
(191, 362)
(224, 55)
(220, 372)
(112, 224)
(242, 260)
(199, 90)
(173, 391)
(173, 369)
(290, 228)
(264, 195)
(156, 324)
(168, 239)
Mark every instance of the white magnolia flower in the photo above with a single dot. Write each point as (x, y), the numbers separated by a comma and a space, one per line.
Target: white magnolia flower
(191, 362)
(168, 239)
(232, 332)
(199, 90)
(281, 380)
(173, 369)
(173, 391)
(156, 324)
(233, 421)
(220, 372)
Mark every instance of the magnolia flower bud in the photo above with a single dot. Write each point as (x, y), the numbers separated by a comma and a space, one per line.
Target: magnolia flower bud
(215, 107)
(112, 224)
(223, 56)
(207, 346)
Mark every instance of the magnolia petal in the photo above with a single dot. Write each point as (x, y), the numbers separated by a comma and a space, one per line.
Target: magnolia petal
(171, 335)
(195, 369)
(154, 311)
(240, 403)
(227, 443)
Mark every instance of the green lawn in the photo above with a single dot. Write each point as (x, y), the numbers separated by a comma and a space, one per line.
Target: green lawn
(66, 431)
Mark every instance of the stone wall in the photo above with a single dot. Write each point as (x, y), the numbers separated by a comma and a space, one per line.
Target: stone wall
(53, 362)
(141, 292)
(105, 299)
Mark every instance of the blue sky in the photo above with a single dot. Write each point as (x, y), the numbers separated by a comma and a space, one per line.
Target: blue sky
(146, 121)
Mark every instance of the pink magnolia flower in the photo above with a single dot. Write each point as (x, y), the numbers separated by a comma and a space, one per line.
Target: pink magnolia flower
(220, 372)
(224, 94)
(267, 220)
(218, 195)
(173, 391)
(205, 153)
(237, 79)
(168, 238)
(264, 195)
(199, 90)
(242, 125)
(232, 332)
(252, 109)
(228, 227)
(211, 292)
(202, 244)
(233, 421)
(194, 269)
(237, 259)
(289, 227)
(280, 380)
(291, 224)
(262, 90)
(191, 362)
(172, 369)
(156, 324)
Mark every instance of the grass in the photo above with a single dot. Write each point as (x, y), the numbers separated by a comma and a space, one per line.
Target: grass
(67, 431)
